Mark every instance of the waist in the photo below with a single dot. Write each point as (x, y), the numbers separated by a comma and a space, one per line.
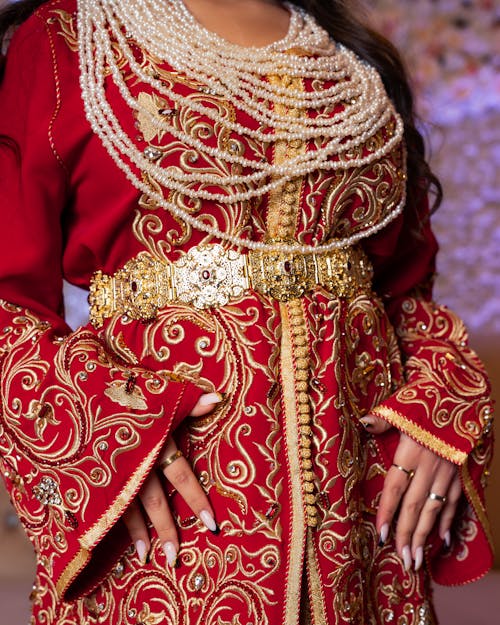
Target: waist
(210, 276)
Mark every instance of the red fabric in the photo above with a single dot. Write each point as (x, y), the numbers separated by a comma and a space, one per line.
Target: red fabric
(92, 412)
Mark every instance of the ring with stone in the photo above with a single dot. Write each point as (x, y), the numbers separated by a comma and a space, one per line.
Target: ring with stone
(171, 459)
(409, 472)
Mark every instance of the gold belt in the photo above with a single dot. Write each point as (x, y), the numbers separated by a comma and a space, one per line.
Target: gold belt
(209, 276)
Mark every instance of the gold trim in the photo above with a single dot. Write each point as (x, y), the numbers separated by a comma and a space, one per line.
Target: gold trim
(476, 503)
(296, 552)
(71, 571)
(316, 597)
(110, 516)
(284, 202)
(418, 433)
(92, 536)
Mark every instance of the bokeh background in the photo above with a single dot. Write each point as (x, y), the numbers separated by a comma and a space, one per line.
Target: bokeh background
(452, 48)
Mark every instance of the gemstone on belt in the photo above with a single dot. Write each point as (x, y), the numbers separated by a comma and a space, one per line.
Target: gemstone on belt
(209, 276)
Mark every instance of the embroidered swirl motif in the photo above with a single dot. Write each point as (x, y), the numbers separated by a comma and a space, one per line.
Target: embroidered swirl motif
(282, 450)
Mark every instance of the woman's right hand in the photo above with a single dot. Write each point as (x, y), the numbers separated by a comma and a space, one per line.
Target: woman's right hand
(151, 503)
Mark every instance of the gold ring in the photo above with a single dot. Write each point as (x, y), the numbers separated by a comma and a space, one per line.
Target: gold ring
(409, 472)
(171, 459)
(440, 498)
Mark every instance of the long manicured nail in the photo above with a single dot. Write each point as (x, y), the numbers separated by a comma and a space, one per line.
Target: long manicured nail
(367, 422)
(171, 553)
(209, 521)
(384, 533)
(210, 398)
(406, 552)
(140, 547)
(419, 557)
(447, 539)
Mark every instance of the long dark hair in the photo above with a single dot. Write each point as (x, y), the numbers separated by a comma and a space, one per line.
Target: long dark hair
(347, 28)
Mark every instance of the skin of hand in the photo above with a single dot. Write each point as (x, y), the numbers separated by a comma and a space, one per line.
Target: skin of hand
(418, 513)
(151, 503)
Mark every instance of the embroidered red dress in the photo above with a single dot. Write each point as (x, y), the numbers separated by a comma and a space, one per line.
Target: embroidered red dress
(85, 413)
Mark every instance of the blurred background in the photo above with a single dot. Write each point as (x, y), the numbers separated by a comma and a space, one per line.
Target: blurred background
(452, 48)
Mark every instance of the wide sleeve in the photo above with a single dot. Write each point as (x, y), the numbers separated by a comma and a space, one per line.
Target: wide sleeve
(444, 402)
(81, 419)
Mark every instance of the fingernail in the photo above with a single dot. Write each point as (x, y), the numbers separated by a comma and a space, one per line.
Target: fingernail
(384, 533)
(419, 557)
(140, 547)
(406, 557)
(209, 521)
(447, 539)
(210, 398)
(171, 553)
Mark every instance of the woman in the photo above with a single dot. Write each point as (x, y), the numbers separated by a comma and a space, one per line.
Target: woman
(266, 420)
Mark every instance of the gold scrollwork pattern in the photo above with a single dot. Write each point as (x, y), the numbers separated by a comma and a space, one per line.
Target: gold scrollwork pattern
(293, 478)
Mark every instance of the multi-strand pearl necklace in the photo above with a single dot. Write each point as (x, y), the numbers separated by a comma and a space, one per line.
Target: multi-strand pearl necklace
(166, 29)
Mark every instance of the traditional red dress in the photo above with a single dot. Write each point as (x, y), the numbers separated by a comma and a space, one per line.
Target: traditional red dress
(85, 413)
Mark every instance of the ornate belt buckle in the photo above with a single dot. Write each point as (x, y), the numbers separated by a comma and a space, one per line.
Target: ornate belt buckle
(282, 275)
(209, 275)
(143, 285)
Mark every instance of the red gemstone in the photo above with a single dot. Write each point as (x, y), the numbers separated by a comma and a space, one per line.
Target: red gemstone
(287, 266)
(205, 274)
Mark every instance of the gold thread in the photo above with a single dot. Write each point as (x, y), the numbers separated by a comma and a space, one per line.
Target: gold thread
(317, 599)
(110, 516)
(420, 435)
(476, 503)
(296, 552)
(71, 571)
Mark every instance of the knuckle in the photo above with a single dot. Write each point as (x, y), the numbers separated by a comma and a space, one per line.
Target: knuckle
(403, 537)
(152, 502)
(166, 530)
(395, 489)
(434, 507)
(420, 535)
(181, 477)
(413, 506)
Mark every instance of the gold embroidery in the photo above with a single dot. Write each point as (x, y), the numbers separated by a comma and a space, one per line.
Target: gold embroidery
(317, 598)
(117, 392)
(476, 502)
(293, 442)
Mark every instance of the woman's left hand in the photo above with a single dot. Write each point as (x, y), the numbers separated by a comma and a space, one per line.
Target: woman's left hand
(425, 487)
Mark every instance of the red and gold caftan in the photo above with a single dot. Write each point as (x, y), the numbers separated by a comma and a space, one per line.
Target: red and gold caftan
(293, 478)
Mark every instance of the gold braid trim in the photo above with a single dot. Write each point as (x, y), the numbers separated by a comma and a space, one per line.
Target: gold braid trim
(476, 503)
(418, 433)
(93, 535)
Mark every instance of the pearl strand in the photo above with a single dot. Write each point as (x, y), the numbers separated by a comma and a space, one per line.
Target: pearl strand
(112, 143)
(169, 52)
(345, 131)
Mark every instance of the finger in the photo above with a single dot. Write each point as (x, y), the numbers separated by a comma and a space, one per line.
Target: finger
(433, 506)
(138, 531)
(156, 507)
(413, 503)
(374, 425)
(206, 403)
(179, 473)
(396, 484)
(450, 509)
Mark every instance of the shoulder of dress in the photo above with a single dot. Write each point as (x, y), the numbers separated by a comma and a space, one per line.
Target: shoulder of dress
(59, 19)
(36, 25)
(46, 10)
